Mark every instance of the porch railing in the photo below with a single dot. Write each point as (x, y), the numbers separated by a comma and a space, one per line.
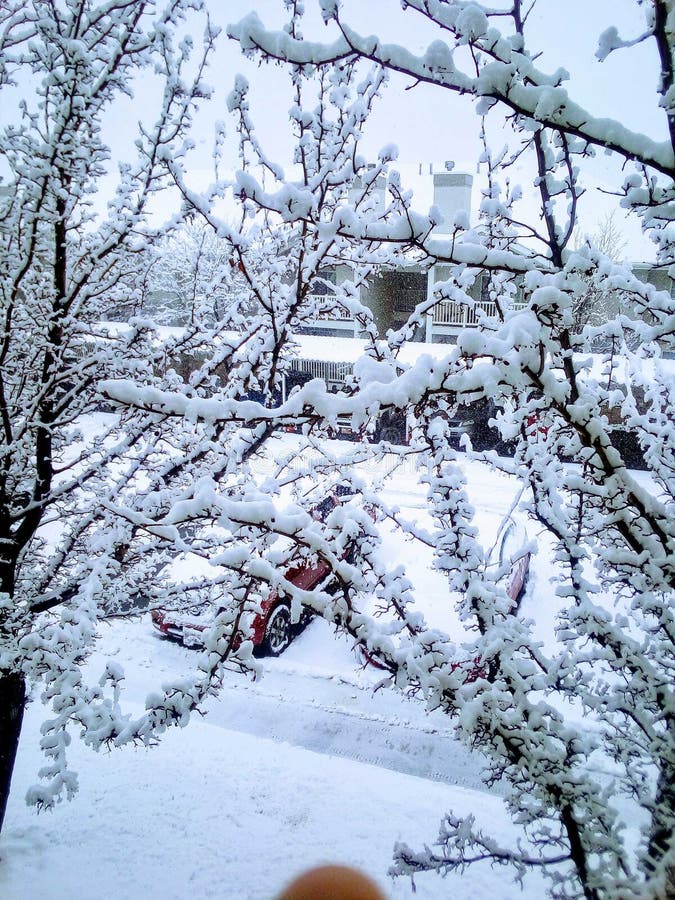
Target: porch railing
(329, 308)
(457, 314)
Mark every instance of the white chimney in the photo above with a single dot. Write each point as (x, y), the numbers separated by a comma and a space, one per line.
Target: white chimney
(452, 194)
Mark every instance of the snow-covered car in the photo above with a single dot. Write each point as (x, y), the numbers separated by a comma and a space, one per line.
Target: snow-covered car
(512, 549)
(272, 628)
(511, 554)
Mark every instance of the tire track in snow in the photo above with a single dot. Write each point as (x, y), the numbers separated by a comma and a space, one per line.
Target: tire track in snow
(345, 725)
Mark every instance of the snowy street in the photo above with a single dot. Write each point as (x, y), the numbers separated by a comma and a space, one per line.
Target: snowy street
(253, 785)
(308, 706)
(309, 763)
(264, 762)
(338, 717)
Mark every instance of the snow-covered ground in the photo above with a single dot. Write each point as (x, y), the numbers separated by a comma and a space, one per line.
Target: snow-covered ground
(307, 764)
(300, 767)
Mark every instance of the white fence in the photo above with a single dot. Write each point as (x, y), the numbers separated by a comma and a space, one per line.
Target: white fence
(331, 372)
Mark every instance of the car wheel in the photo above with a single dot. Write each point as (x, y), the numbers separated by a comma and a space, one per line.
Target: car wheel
(277, 630)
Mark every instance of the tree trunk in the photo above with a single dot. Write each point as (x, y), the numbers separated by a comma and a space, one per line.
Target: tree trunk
(661, 837)
(12, 705)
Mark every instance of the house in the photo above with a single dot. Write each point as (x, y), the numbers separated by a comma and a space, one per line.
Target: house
(393, 294)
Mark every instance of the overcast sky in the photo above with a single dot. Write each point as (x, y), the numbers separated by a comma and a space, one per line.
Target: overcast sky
(429, 125)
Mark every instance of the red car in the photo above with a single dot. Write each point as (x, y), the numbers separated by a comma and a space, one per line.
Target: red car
(510, 549)
(512, 544)
(272, 630)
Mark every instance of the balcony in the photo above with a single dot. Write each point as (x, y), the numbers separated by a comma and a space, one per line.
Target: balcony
(456, 315)
(329, 309)
(332, 319)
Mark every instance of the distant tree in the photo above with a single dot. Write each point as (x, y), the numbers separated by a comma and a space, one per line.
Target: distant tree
(190, 277)
(597, 304)
(607, 238)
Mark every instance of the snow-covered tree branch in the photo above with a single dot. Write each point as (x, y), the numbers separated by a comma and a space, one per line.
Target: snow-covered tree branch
(62, 263)
(614, 537)
(579, 723)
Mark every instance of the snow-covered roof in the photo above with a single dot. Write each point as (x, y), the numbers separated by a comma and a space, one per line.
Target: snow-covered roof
(348, 350)
(597, 367)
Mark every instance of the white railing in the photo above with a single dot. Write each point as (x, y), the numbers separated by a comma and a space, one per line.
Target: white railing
(328, 308)
(459, 315)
